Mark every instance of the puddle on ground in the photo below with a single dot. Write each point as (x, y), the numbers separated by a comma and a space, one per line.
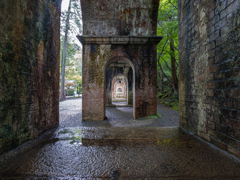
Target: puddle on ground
(75, 136)
(121, 152)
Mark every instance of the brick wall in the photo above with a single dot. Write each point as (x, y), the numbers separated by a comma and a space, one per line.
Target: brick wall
(120, 17)
(209, 47)
(29, 69)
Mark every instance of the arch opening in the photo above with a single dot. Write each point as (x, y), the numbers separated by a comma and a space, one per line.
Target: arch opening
(119, 90)
(119, 83)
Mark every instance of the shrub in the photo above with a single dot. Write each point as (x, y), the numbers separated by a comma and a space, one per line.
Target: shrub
(70, 92)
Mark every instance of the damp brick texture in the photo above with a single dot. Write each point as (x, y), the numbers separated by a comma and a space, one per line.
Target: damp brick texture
(120, 17)
(29, 61)
(119, 30)
(209, 36)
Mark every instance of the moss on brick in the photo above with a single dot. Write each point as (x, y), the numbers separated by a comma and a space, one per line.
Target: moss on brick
(28, 106)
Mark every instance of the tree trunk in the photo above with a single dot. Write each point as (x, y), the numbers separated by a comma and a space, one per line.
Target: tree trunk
(162, 89)
(161, 81)
(173, 65)
(62, 93)
(159, 64)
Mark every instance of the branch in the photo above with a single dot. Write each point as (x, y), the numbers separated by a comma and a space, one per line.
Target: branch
(176, 48)
(166, 64)
(159, 64)
(172, 4)
(163, 47)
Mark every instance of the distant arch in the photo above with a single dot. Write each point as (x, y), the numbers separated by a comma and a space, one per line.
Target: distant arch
(119, 90)
(118, 58)
(124, 86)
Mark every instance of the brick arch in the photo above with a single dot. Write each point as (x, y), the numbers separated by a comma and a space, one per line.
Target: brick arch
(118, 58)
(107, 64)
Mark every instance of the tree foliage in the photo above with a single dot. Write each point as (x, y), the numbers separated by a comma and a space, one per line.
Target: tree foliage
(71, 64)
(75, 23)
(168, 50)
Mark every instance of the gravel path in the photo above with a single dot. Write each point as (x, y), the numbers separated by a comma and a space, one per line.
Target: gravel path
(71, 116)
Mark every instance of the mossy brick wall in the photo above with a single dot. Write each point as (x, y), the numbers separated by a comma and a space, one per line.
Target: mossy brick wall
(209, 47)
(29, 69)
(113, 72)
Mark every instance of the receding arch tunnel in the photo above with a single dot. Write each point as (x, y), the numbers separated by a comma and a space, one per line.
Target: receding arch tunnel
(119, 83)
(119, 89)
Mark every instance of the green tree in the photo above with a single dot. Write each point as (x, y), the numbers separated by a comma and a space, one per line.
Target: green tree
(167, 58)
(73, 65)
(168, 47)
(62, 93)
(72, 23)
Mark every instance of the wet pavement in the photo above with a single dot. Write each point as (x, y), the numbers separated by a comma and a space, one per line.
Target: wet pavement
(117, 149)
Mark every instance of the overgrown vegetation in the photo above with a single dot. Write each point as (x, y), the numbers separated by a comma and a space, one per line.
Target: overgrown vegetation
(167, 58)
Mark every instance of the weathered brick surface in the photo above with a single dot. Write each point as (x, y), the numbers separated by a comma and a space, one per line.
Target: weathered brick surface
(129, 22)
(120, 17)
(210, 70)
(29, 60)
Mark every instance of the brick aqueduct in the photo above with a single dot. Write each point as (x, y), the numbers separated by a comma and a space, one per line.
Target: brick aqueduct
(119, 50)
(114, 32)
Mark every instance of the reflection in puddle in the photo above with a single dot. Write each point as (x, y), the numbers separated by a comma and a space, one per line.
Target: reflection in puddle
(76, 138)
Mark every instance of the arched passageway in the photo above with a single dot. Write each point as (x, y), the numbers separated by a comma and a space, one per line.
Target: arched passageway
(119, 82)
